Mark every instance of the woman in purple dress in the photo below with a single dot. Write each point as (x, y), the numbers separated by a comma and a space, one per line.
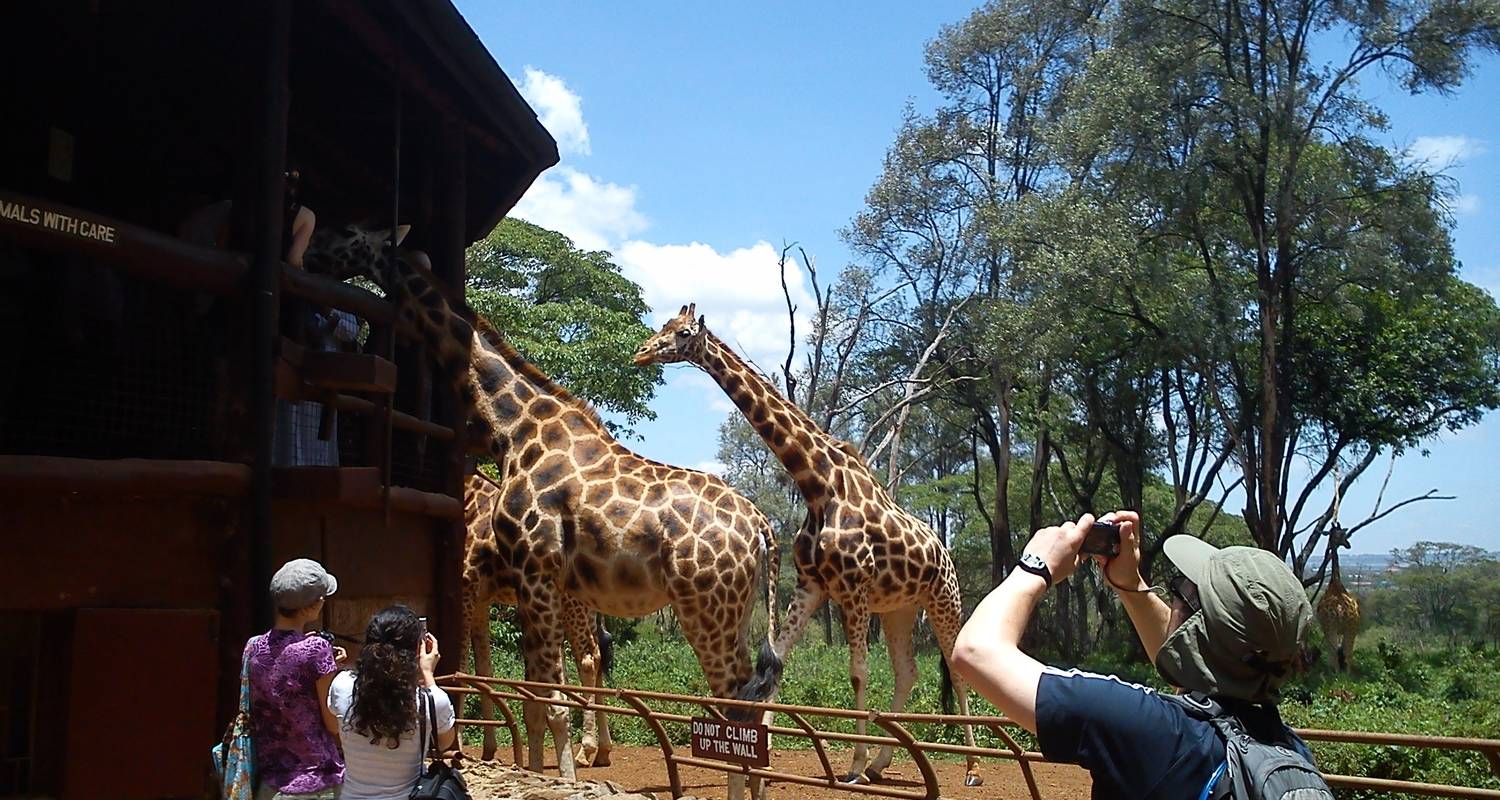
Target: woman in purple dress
(296, 745)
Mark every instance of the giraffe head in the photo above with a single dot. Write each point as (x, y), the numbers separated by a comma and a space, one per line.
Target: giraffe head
(350, 251)
(678, 340)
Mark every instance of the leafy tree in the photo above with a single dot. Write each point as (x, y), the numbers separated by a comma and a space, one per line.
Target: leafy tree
(1283, 194)
(569, 311)
(1445, 588)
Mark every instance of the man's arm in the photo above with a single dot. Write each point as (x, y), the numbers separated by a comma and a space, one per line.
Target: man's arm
(988, 653)
(1148, 614)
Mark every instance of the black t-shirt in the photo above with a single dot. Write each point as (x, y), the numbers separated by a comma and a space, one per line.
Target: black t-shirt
(1133, 742)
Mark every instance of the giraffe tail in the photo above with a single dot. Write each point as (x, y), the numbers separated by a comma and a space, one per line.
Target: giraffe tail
(606, 645)
(945, 690)
(766, 680)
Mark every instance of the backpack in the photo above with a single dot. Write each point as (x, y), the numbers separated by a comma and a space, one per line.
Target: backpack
(1257, 770)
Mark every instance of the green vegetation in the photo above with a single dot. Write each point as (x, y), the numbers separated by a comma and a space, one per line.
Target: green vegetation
(1394, 688)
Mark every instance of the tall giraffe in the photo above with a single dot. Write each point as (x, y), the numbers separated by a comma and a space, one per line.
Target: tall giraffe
(857, 547)
(1338, 610)
(484, 584)
(579, 513)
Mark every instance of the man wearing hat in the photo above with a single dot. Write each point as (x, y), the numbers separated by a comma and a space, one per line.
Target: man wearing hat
(296, 749)
(1235, 631)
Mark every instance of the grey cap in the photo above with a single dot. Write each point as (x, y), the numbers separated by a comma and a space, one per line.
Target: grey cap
(1247, 638)
(300, 583)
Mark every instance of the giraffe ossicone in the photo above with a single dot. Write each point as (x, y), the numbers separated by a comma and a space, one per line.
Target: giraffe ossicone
(857, 548)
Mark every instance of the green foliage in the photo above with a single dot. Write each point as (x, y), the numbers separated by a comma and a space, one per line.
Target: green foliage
(1393, 689)
(569, 311)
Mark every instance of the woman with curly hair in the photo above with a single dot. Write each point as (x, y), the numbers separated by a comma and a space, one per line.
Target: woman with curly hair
(377, 706)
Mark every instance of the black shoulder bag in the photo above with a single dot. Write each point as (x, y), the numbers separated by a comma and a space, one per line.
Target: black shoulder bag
(438, 780)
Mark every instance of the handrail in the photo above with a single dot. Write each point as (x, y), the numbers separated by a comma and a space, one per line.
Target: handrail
(897, 735)
(140, 251)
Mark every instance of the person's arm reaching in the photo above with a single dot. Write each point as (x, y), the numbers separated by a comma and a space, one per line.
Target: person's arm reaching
(987, 653)
(1147, 612)
(427, 661)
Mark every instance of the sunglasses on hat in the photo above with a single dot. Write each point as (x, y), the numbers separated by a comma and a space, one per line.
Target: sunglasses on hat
(1185, 590)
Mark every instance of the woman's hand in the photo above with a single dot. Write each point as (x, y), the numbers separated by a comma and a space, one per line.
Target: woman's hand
(1059, 545)
(340, 655)
(1123, 572)
(427, 658)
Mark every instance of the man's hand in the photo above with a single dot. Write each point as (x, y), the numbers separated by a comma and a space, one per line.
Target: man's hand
(1059, 546)
(1123, 572)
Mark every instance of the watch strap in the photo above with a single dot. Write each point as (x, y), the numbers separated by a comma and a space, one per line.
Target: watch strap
(1039, 568)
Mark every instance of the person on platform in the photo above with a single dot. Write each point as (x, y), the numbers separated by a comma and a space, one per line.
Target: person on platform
(388, 704)
(296, 750)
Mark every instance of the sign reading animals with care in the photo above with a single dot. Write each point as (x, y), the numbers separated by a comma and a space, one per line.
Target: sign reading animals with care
(56, 221)
(737, 742)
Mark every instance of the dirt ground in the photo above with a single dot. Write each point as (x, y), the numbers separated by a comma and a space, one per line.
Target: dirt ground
(640, 769)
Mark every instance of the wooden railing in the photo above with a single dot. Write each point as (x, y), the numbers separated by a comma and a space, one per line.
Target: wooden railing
(637, 703)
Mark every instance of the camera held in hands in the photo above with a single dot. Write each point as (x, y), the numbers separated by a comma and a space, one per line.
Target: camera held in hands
(1103, 539)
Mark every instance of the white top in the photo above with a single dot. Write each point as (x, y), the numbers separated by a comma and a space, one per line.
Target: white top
(375, 771)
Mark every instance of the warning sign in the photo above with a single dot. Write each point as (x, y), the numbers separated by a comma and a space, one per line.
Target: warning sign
(737, 742)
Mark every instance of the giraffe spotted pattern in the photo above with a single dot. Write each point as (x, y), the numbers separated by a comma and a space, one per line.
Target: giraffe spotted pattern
(857, 547)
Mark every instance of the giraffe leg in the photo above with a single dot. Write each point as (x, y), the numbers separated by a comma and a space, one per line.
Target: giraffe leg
(897, 625)
(580, 633)
(479, 642)
(945, 614)
(1346, 650)
(719, 638)
(542, 645)
(857, 630)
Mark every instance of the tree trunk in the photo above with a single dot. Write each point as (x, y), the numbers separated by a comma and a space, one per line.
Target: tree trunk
(1002, 552)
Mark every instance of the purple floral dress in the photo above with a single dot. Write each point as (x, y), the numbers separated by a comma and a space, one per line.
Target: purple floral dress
(293, 751)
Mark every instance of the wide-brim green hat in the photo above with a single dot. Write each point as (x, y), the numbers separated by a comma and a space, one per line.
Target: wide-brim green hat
(1247, 638)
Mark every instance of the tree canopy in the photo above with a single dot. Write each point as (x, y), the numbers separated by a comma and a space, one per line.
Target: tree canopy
(569, 311)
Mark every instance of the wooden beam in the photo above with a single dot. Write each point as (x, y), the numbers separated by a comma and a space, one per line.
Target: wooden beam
(126, 476)
(132, 249)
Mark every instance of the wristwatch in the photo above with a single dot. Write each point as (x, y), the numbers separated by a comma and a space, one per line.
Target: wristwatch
(1036, 566)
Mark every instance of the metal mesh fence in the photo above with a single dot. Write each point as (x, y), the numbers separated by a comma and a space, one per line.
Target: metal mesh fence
(104, 366)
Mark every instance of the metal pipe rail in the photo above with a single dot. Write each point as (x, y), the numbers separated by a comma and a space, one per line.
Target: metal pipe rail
(895, 725)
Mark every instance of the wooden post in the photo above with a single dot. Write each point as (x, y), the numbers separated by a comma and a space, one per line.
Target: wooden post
(449, 238)
(268, 209)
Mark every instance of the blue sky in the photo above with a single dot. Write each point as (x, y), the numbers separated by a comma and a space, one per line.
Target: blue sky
(698, 138)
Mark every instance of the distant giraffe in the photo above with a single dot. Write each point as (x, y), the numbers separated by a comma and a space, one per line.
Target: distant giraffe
(483, 584)
(1338, 610)
(857, 547)
(579, 513)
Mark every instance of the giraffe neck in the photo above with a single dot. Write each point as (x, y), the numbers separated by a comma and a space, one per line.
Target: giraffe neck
(792, 435)
(1336, 583)
(507, 397)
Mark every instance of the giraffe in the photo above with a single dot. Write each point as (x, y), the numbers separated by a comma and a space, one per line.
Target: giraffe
(1338, 610)
(482, 585)
(580, 514)
(857, 547)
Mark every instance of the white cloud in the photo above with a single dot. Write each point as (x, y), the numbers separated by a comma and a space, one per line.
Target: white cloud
(716, 467)
(1465, 204)
(739, 292)
(593, 213)
(689, 379)
(559, 109)
(1441, 152)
